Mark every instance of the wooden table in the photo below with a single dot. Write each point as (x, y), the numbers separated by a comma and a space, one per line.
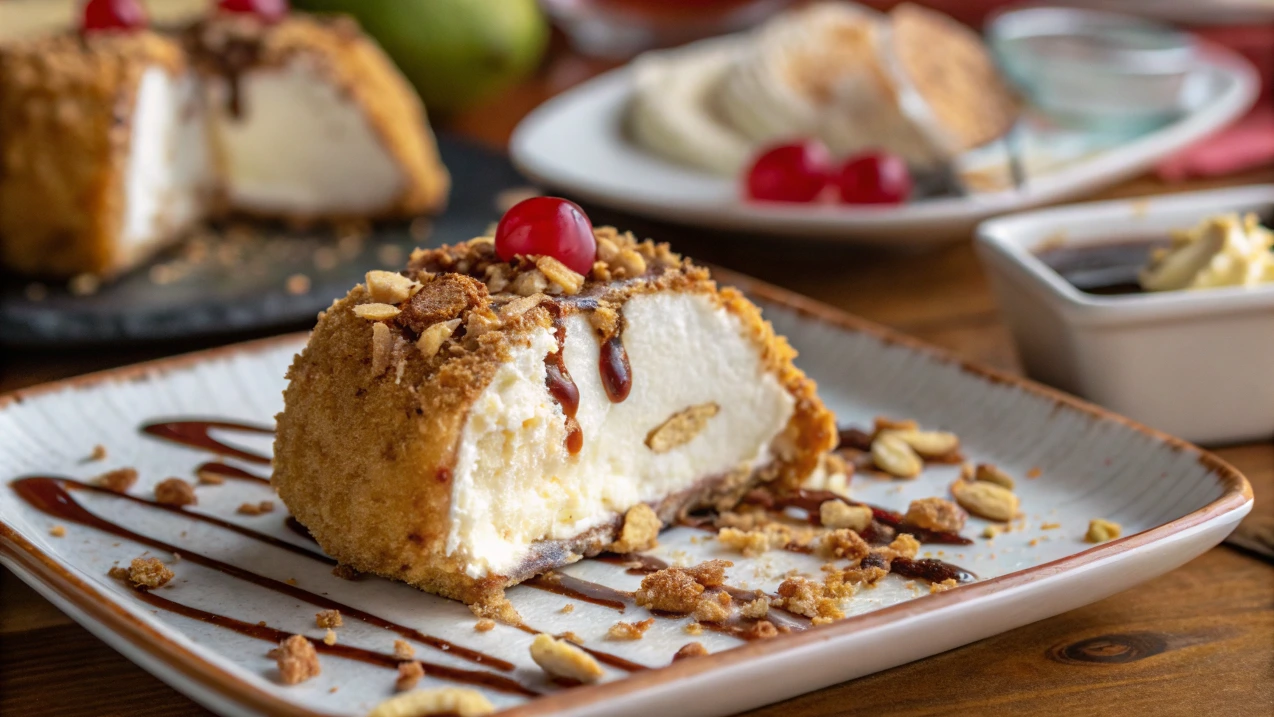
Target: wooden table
(1199, 640)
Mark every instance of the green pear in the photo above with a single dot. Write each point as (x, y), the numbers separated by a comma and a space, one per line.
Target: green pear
(456, 52)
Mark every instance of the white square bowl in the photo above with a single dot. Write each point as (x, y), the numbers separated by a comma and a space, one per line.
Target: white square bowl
(1191, 363)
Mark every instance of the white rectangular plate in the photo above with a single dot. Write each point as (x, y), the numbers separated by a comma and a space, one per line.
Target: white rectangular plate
(1174, 501)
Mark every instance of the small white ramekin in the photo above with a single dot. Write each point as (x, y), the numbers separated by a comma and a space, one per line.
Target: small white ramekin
(1197, 364)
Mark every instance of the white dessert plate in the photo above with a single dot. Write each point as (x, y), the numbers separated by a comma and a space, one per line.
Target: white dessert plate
(576, 143)
(1073, 462)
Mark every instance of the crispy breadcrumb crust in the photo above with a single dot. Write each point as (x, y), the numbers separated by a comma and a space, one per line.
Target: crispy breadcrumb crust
(231, 43)
(363, 457)
(66, 105)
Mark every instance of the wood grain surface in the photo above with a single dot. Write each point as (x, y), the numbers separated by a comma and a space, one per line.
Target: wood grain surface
(1198, 641)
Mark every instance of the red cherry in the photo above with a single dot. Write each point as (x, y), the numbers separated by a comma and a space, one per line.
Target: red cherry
(268, 10)
(113, 15)
(790, 173)
(874, 178)
(547, 226)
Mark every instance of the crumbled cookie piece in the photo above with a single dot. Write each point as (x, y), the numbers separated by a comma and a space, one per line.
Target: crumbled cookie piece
(409, 673)
(118, 480)
(486, 624)
(936, 514)
(403, 650)
(844, 543)
(1100, 530)
(755, 542)
(690, 649)
(671, 590)
(149, 572)
(992, 474)
(387, 287)
(297, 660)
(756, 609)
(808, 598)
(713, 608)
(456, 701)
(640, 531)
(58, 531)
(761, 630)
(942, 586)
(498, 608)
(680, 428)
(629, 630)
(986, 500)
(265, 506)
(709, 573)
(693, 628)
(98, 454)
(892, 455)
(559, 658)
(837, 514)
(175, 492)
(328, 618)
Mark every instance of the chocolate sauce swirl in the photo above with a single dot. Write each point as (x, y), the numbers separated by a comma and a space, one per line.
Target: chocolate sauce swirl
(195, 435)
(563, 389)
(616, 372)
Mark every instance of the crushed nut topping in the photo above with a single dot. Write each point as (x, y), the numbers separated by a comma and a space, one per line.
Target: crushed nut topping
(680, 428)
(560, 275)
(936, 514)
(640, 531)
(985, 500)
(328, 618)
(458, 701)
(932, 445)
(894, 456)
(991, 474)
(432, 339)
(837, 514)
(376, 311)
(387, 287)
(297, 660)
(382, 348)
(559, 658)
(1100, 530)
(175, 492)
(629, 630)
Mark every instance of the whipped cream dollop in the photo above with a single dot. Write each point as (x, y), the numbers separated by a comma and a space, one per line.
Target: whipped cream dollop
(1222, 250)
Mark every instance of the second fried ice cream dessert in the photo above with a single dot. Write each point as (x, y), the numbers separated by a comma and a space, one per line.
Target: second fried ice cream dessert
(476, 420)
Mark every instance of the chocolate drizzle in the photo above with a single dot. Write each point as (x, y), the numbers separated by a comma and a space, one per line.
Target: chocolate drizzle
(195, 435)
(934, 571)
(50, 496)
(616, 372)
(563, 389)
(603, 657)
(582, 590)
(380, 659)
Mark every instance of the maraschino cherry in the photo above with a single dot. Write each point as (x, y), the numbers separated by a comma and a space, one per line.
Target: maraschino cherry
(795, 172)
(874, 178)
(547, 226)
(268, 10)
(113, 15)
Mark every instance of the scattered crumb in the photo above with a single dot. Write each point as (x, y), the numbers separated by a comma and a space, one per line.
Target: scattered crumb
(457, 701)
(936, 514)
(409, 673)
(207, 477)
(175, 492)
(148, 572)
(486, 624)
(568, 608)
(297, 660)
(328, 618)
(671, 590)
(98, 454)
(498, 608)
(562, 659)
(905, 546)
(58, 531)
(942, 586)
(986, 499)
(290, 581)
(629, 630)
(1050, 526)
(403, 650)
(298, 284)
(1034, 473)
(694, 628)
(806, 597)
(329, 637)
(762, 629)
(640, 531)
(265, 506)
(1100, 530)
(690, 649)
(709, 573)
(1034, 542)
(756, 609)
(118, 480)
(713, 608)
(844, 543)
(991, 531)
(333, 689)
(118, 573)
(572, 637)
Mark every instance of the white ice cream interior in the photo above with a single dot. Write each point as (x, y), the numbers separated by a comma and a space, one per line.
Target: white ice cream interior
(168, 175)
(514, 481)
(299, 145)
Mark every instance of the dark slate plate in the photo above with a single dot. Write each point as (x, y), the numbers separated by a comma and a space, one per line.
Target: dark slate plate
(229, 281)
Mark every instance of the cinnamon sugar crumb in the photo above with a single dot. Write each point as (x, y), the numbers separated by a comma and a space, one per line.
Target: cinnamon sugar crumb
(715, 608)
(709, 573)
(629, 630)
(756, 609)
(58, 531)
(486, 624)
(690, 649)
(118, 573)
(328, 618)
(403, 650)
(671, 590)
(297, 660)
(844, 543)
(118, 480)
(409, 673)
(149, 572)
(808, 598)
(175, 492)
